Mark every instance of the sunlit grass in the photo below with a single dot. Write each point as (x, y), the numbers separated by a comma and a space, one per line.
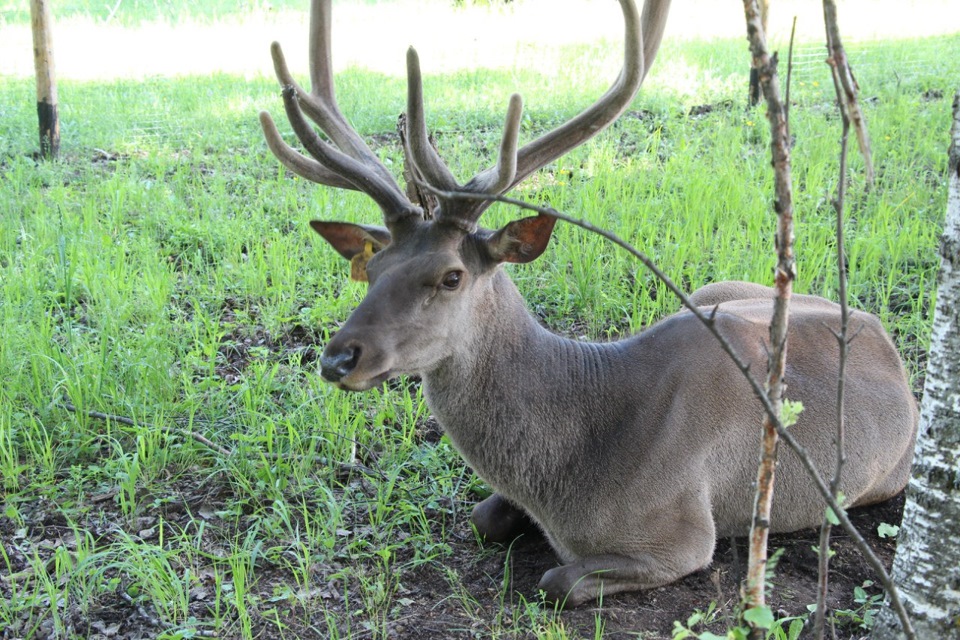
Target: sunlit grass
(163, 270)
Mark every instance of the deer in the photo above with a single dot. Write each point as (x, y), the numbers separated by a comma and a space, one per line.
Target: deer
(631, 456)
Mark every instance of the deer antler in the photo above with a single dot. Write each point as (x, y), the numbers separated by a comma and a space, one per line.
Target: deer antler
(350, 164)
(346, 161)
(643, 35)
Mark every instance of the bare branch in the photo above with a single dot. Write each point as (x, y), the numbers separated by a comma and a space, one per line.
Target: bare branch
(846, 85)
(133, 423)
(846, 90)
(786, 91)
(841, 337)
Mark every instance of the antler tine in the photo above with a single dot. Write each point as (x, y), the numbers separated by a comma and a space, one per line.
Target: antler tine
(321, 67)
(320, 107)
(386, 193)
(321, 103)
(436, 172)
(496, 179)
(351, 164)
(292, 159)
(638, 56)
(501, 176)
(653, 28)
(643, 35)
(423, 153)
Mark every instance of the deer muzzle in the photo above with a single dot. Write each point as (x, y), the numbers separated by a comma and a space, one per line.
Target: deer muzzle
(335, 366)
(351, 368)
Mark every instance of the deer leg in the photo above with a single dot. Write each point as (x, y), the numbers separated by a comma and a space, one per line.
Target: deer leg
(590, 578)
(499, 520)
(680, 543)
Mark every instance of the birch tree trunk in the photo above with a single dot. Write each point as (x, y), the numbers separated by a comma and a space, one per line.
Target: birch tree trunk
(926, 568)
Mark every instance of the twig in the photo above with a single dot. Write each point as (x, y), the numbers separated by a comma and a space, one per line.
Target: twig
(846, 85)
(824, 545)
(755, 92)
(786, 91)
(846, 90)
(707, 320)
(156, 622)
(152, 620)
(130, 422)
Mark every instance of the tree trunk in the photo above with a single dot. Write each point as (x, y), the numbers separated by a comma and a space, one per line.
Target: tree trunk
(46, 79)
(927, 565)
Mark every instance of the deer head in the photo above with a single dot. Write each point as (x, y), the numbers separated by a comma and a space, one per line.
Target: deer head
(429, 279)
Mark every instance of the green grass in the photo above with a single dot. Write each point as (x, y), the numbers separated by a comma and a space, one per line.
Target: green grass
(163, 270)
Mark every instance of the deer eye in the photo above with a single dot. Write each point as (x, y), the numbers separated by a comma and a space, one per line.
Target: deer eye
(452, 280)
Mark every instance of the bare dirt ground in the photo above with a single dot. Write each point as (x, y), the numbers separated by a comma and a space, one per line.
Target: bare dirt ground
(427, 606)
(650, 615)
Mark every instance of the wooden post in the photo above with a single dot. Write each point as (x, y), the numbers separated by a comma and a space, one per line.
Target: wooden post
(46, 79)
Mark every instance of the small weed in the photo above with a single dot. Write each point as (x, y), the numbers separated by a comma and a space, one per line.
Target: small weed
(865, 613)
(785, 628)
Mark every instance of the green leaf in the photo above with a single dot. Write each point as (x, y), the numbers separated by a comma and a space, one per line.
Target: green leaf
(790, 411)
(795, 628)
(738, 633)
(695, 618)
(831, 517)
(885, 530)
(761, 617)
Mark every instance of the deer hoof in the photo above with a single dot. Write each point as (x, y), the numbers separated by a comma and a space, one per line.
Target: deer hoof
(567, 587)
(497, 520)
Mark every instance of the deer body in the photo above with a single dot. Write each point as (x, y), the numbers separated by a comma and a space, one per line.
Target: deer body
(637, 454)
(559, 426)
(631, 456)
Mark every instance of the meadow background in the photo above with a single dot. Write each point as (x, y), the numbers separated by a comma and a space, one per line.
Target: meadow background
(162, 270)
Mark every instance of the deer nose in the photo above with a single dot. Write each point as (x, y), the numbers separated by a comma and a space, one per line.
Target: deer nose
(333, 367)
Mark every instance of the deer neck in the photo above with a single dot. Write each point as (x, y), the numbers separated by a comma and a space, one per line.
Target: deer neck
(518, 401)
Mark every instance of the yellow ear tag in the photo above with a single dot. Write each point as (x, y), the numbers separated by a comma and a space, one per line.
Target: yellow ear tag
(358, 263)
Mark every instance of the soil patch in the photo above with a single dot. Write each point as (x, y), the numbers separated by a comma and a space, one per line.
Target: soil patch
(426, 605)
(651, 614)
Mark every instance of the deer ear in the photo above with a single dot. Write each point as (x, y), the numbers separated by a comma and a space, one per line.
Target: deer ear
(355, 242)
(350, 239)
(521, 240)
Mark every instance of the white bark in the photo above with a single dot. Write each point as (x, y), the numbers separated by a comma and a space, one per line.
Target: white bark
(927, 565)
